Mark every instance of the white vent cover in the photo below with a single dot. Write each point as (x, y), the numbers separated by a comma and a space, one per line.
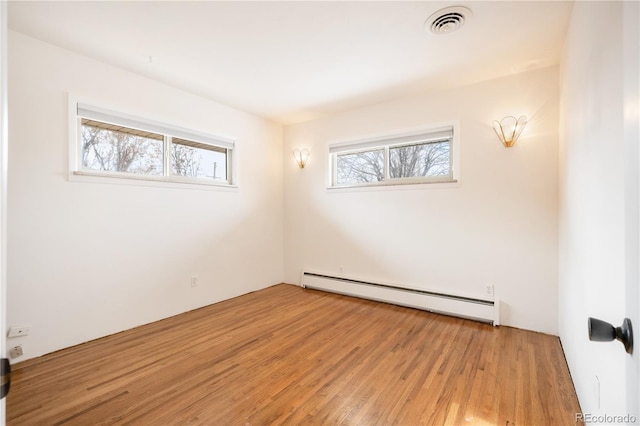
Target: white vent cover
(448, 20)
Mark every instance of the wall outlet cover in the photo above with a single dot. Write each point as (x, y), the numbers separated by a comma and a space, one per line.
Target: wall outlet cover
(16, 351)
(19, 331)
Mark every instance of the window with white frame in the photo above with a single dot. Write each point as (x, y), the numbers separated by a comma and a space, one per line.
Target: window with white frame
(117, 145)
(423, 157)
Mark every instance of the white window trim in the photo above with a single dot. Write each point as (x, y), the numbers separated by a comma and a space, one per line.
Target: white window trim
(369, 142)
(128, 119)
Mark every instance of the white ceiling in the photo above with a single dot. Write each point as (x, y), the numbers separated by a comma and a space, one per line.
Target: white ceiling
(295, 61)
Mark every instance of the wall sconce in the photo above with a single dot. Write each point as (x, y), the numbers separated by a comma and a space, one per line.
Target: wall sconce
(509, 128)
(301, 156)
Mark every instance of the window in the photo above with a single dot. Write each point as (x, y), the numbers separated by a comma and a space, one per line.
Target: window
(115, 145)
(419, 158)
(360, 167)
(198, 160)
(111, 148)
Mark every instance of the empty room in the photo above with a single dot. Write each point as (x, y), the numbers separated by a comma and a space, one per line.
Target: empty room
(319, 212)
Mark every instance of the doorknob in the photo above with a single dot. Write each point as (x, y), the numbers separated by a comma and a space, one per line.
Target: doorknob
(602, 331)
(6, 377)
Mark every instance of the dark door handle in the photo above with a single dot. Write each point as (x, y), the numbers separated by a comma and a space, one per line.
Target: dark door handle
(602, 331)
(6, 377)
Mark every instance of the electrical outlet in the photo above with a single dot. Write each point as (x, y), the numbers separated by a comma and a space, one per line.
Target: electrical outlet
(16, 351)
(194, 281)
(488, 289)
(19, 331)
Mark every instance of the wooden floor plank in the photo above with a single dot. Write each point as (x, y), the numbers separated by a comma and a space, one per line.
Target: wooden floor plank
(286, 355)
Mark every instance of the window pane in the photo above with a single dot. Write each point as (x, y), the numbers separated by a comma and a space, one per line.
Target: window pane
(360, 167)
(198, 160)
(430, 159)
(112, 148)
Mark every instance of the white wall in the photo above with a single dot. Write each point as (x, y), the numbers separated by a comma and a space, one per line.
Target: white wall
(497, 226)
(594, 204)
(89, 259)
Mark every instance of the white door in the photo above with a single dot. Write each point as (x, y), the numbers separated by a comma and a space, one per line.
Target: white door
(631, 46)
(600, 193)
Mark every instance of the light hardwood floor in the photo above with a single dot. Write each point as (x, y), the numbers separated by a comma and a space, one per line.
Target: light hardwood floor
(285, 355)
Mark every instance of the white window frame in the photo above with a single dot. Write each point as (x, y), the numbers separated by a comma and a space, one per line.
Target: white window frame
(393, 140)
(80, 108)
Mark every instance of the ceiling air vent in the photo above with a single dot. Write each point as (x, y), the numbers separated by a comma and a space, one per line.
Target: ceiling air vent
(447, 20)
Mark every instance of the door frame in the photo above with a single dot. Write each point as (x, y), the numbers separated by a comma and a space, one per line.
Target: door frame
(3, 189)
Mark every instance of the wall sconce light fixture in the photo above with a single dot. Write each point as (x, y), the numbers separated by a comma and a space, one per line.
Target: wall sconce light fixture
(509, 128)
(302, 156)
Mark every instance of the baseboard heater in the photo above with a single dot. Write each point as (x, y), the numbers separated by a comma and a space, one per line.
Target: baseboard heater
(460, 306)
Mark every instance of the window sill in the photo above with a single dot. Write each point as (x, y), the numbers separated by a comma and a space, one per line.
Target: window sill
(391, 185)
(157, 181)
